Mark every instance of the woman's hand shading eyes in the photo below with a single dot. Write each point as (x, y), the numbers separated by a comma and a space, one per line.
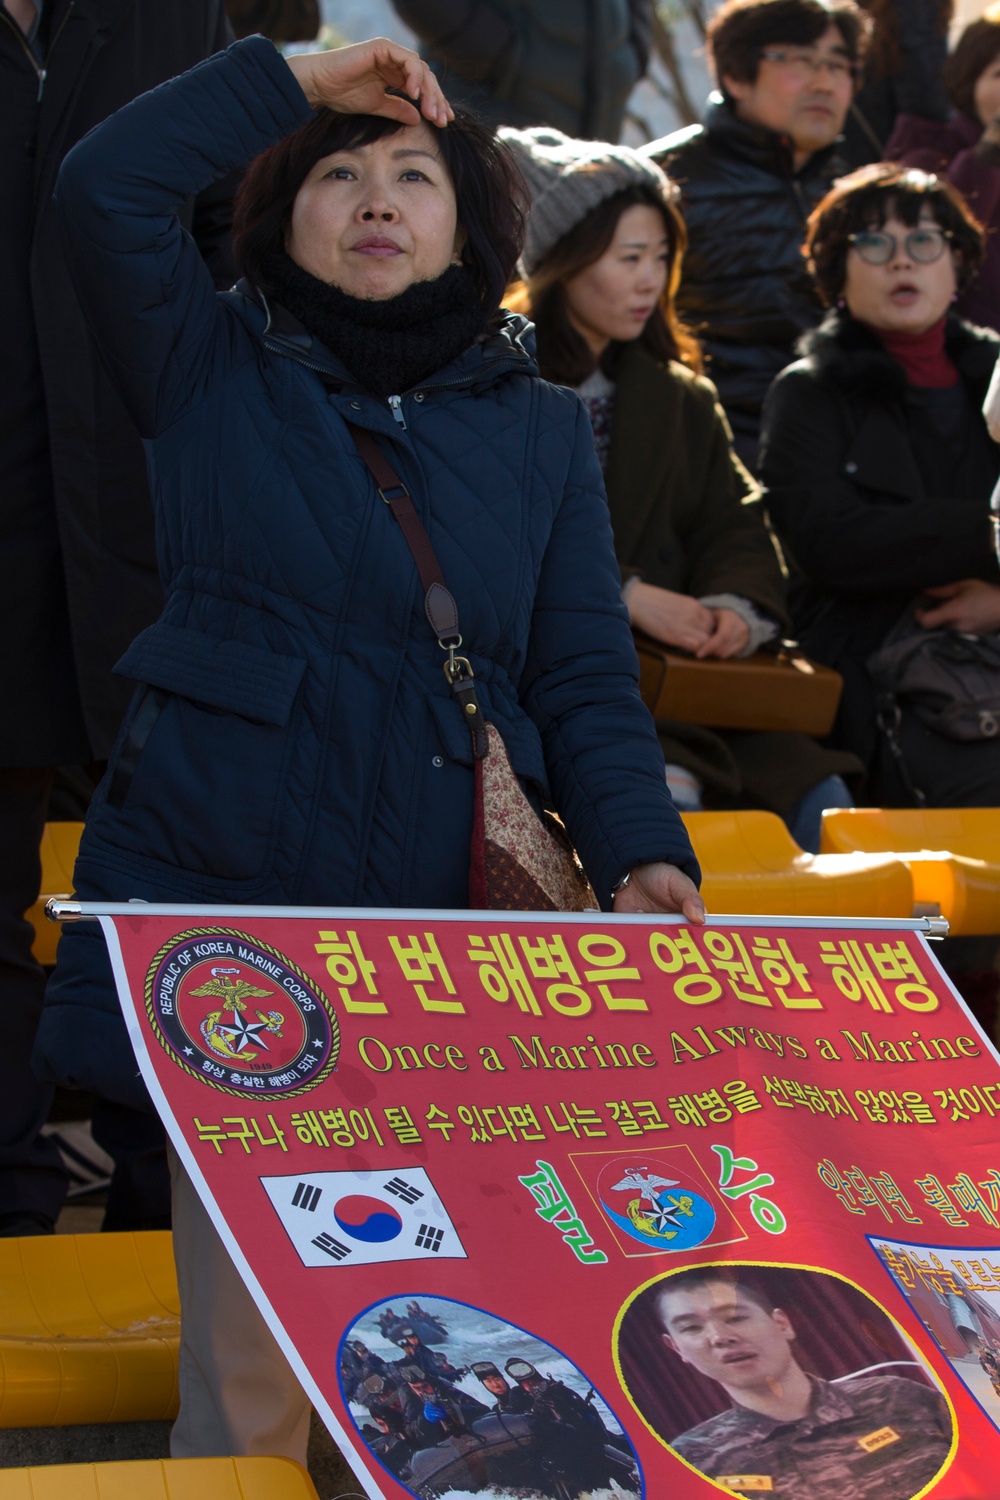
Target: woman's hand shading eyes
(355, 81)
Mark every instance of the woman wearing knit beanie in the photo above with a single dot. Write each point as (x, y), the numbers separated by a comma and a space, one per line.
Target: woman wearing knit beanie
(601, 264)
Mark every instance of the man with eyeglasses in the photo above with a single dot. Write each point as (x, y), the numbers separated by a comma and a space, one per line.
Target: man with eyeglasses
(749, 178)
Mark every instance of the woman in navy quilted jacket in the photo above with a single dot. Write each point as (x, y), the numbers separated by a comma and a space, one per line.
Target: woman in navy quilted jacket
(293, 738)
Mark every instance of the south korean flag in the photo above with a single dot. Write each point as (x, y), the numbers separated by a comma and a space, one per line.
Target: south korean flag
(363, 1218)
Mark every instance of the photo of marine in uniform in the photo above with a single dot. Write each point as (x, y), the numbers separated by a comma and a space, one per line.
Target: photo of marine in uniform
(453, 1401)
(784, 1381)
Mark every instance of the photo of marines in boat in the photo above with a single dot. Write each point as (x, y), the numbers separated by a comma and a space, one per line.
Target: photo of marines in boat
(428, 1328)
(487, 1410)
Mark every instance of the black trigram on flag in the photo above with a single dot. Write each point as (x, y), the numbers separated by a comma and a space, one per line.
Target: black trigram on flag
(400, 1189)
(331, 1247)
(362, 1218)
(306, 1197)
(428, 1238)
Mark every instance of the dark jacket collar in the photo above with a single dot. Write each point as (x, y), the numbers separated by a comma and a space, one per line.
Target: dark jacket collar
(848, 356)
(509, 346)
(767, 149)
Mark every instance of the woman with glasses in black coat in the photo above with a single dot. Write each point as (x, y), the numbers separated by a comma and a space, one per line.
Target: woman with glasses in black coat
(879, 468)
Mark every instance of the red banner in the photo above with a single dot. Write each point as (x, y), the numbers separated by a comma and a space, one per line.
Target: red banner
(591, 1207)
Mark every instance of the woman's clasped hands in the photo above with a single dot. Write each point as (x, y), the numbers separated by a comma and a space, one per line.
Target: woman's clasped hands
(681, 621)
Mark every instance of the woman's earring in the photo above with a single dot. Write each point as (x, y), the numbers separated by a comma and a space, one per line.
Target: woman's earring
(841, 303)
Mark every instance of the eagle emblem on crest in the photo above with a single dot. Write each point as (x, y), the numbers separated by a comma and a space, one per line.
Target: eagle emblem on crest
(240, 1037)
(240, 1016)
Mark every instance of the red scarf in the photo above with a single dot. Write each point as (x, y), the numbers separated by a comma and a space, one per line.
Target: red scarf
(922, 355)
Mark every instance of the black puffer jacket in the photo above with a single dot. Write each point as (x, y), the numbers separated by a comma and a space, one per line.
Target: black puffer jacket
(745, 288)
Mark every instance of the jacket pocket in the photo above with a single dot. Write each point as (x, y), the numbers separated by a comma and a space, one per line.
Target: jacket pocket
(197, 779)
(521, 738)
(258, 685)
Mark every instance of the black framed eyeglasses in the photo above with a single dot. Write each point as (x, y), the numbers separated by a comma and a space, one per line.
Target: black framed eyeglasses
(804, 65)
(924, 244)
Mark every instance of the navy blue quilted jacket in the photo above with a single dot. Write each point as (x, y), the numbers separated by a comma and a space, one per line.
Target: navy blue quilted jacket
(300, 741)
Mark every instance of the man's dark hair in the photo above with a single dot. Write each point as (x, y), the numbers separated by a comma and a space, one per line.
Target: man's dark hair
(489, 191)
(685, 1281)
(976, 48)
(865, 199)
(741, 30)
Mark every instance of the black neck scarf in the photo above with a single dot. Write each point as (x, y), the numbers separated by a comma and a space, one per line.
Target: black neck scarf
(391, 345)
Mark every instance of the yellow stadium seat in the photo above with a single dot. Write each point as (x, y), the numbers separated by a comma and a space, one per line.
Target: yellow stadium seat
(953, 854)
(60, 842)
(162, 1479)
(89, 1325)
(751, 864)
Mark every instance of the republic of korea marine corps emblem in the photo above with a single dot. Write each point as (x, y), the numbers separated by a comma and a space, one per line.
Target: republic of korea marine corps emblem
(236, 1013)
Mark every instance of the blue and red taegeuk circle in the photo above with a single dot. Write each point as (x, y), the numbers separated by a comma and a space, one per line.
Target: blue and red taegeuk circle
(367, 1219)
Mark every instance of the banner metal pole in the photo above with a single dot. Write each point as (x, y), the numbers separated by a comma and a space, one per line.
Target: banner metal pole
(58, 910)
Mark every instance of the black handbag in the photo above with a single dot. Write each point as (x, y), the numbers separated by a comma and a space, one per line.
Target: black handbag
(948, 680)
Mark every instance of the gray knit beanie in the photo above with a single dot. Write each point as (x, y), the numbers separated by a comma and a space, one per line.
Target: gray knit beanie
(568, 178)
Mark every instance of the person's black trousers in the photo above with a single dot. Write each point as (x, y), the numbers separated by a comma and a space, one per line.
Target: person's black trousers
(139, 1195)
(32, 1177)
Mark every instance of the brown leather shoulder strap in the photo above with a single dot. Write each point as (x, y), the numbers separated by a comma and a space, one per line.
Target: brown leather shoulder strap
(439, 604)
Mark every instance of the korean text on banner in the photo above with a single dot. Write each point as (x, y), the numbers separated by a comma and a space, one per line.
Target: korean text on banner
(591, 1207)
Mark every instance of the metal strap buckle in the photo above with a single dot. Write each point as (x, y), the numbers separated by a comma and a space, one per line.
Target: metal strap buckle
(457, 668)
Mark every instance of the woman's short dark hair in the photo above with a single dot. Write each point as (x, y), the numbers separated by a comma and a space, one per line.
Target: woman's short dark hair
(741, 29)
(564, 356)
(865, 199)
(976, 48)
(489, 191)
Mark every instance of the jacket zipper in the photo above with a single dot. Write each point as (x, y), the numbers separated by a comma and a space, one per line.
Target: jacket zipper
(396, 407)
(52, 45)
(801, 200)
(43, 72)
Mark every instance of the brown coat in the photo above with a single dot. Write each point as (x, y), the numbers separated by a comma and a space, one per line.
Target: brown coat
(686, 516)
